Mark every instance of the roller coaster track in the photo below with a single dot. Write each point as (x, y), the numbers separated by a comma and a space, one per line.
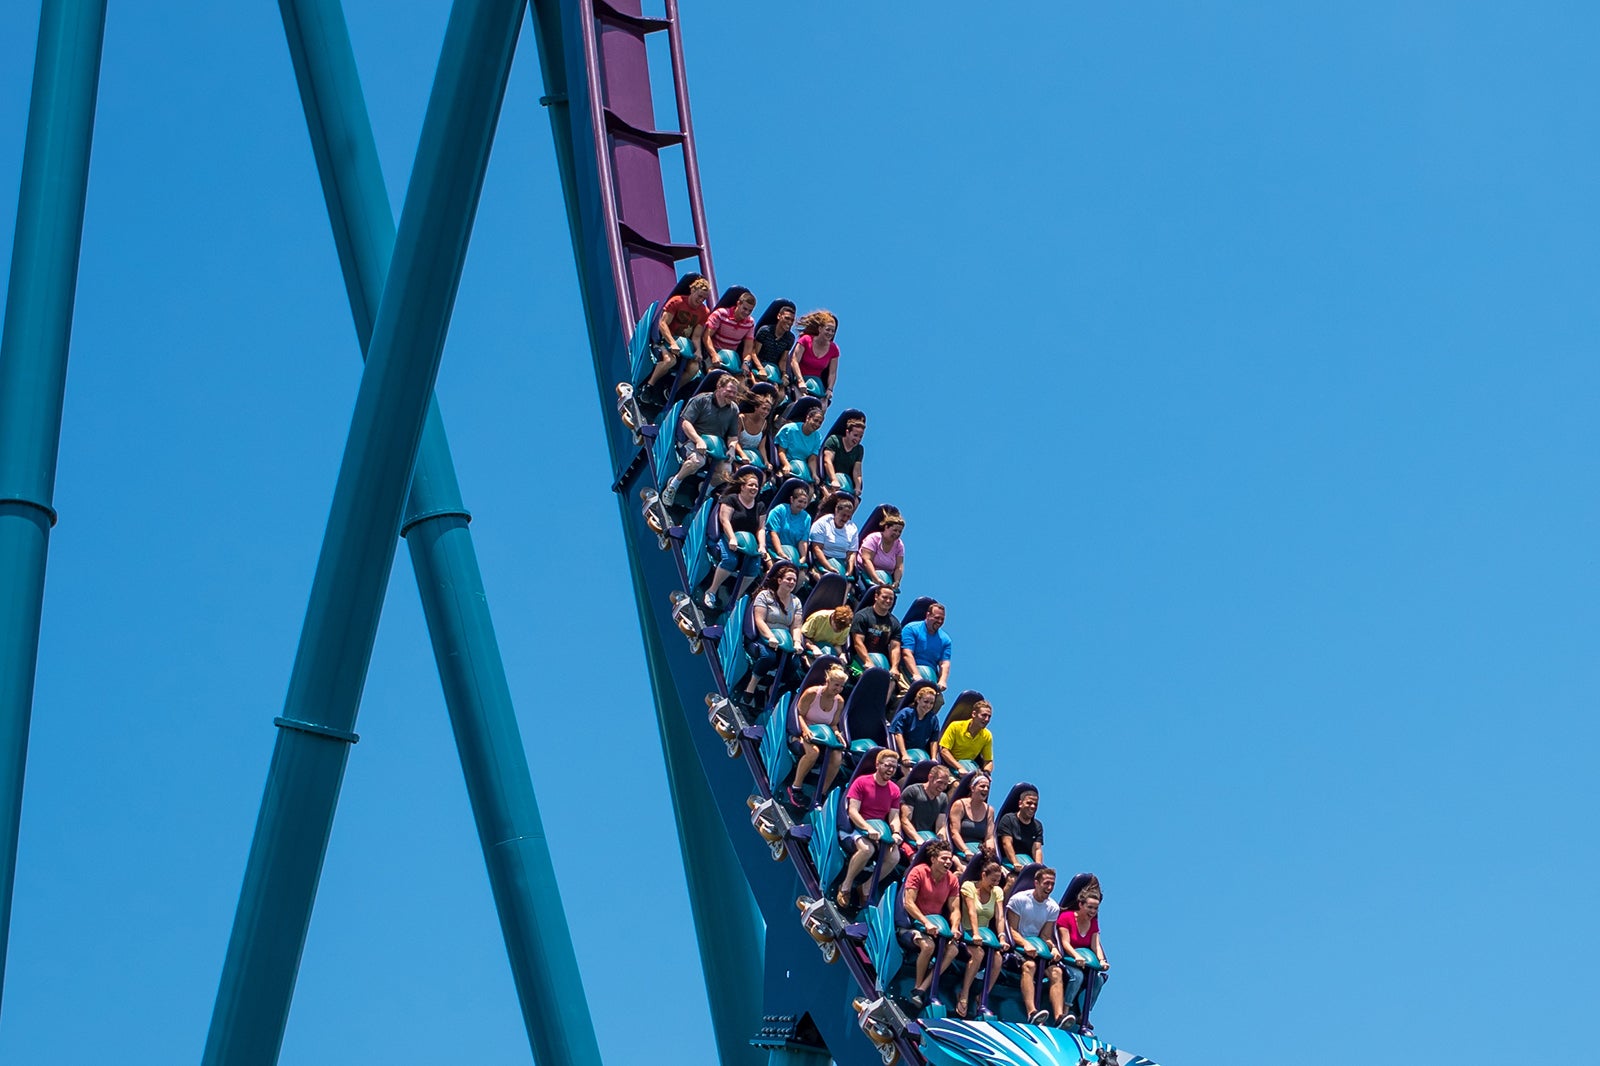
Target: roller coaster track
(604, 119)
(603, 115)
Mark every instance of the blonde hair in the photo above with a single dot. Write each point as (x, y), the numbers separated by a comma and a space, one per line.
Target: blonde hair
(836, 673)
(814, 322)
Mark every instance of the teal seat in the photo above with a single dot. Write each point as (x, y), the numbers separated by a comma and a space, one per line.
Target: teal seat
(925, 835)
(716, 447)
(984, 936)
(833, 566)
(862, 745)
(884, 832)
(1043, 946)
(771, 373)
(843, 483)
(941, 927)
(880, 661)
(927, 673)
(727, 361)
(815, 387)
(825, 735)
(784, 638)
(746, 542)
(916, 755)
(789, 552)
(967, 765)
(801, 470)
(754, 459)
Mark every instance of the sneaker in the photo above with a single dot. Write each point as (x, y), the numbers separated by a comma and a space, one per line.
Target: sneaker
(1039, 1017)
(1066, 1021)
(710, 600)
(795, 797)
(1085, 1028)
(670, 492)
(919, 999)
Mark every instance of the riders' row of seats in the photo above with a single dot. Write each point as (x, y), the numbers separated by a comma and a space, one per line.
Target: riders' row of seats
(842, 687)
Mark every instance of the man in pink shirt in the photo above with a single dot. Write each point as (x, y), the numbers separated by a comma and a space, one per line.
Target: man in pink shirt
(931, 888)
(871, 798)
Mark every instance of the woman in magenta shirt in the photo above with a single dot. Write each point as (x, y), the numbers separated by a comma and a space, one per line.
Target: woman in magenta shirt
(1078, 937)
(815, 354)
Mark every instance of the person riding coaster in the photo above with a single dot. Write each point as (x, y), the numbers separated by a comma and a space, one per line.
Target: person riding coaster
(1078, 938)
(680, 329)
(738, 551)
(926, 912)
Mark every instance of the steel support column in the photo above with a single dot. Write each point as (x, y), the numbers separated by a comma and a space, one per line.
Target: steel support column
(33, 372)
(358, 548)
(521, 874)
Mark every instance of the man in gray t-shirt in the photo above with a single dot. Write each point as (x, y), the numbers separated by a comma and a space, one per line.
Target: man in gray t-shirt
(710, 414)
(924, 806)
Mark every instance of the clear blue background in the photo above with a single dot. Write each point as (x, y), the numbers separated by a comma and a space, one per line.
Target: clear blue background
(1235, 364)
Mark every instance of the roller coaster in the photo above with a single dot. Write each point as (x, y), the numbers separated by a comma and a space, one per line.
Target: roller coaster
(763, 860)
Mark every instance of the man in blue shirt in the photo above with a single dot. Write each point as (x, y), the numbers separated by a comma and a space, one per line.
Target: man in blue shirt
(925, 644)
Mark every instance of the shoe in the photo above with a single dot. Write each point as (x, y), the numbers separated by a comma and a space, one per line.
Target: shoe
(670, 492)
(1085, 1029)
(795, 797)
(960, 1009)
(1066, 1021)
(1039, 1017)
(919, 999)
(710, 600)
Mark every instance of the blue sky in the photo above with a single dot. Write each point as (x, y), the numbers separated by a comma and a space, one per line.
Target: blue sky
(1234, 364)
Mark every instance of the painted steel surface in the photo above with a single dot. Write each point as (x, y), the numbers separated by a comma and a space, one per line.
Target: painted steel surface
(33, 371)
(358, 548)
(954, 1042)
(521, 875)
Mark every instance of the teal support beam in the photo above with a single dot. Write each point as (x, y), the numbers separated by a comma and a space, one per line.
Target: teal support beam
(33, 372)
(539, 946)
(316, 727)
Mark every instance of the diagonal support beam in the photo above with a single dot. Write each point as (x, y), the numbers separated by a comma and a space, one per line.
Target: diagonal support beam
(330, 668)
(521, 874)
(33, 372)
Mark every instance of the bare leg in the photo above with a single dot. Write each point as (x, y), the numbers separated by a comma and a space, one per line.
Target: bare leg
(858, 862)
(808, 759)
(829, 773)
(1028, 1003)
(718, 576)
(924, 957)
(1055, 975)
(974, 962)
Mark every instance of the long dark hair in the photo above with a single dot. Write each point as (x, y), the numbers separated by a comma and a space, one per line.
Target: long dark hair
(731, 489)
(775, 575)
(769, 317)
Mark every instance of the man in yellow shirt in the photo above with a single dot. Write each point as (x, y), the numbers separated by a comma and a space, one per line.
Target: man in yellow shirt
(969, 740)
